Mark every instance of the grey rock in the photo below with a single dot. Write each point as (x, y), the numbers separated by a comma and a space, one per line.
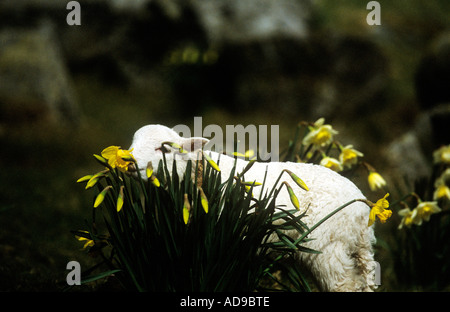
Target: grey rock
(34, 82)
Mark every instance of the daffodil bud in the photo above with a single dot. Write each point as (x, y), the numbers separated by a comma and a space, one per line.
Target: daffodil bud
(211, 162)
(85, 178)
(101, 196)
(181, 150)
(204, 200)
(248, 154)
(248, 189)
(103, 161)
(186, 209)
(294, 199)
(149, 170)
(297, 180)
(155, 181)
(119, 204)
(94, 179)
(251, 183)
(92, 182)
(150, 175)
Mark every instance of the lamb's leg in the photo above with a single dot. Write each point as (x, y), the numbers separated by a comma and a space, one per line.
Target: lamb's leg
(339, 268)
(365, 259)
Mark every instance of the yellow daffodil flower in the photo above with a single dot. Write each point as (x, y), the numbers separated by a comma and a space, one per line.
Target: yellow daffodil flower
(442, 186)
(424, 210)
(380, 209)
(407, 219)
(331, 163)
(442, 155)
(88, 242)
(442, 192)
(376, 181)
(320, 134)
(118, 158)
(349, 156)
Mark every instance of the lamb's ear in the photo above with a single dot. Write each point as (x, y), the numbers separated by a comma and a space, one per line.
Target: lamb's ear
(193, 144)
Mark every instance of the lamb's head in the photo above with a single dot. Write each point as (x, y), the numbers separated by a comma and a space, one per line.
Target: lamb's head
(151, 141)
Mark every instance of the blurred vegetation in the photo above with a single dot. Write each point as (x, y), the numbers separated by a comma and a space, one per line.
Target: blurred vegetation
(41, 203)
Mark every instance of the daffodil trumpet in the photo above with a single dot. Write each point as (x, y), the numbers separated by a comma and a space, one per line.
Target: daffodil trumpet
(118, 158)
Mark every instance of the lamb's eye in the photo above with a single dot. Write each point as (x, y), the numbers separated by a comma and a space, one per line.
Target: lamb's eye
(163, 149)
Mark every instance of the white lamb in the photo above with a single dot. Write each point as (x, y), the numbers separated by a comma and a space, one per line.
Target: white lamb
(345, 241)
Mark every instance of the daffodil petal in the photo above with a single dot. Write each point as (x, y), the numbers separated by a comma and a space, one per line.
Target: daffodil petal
(380, 209)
